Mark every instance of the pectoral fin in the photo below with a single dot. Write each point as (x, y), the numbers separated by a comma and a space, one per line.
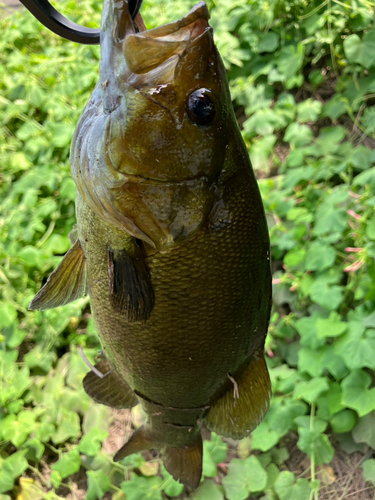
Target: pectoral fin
(130, 289)
(243, 406)
(110, 390)
(66, 283)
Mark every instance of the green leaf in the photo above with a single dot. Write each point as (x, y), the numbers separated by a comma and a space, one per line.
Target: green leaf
(290, 60)
(311, 390)
(244, 476)
(90, 443)
(356, 347)
(308, 110)
(264, 438)
(68, 427)
(269, 42)
(327, 296)
(319, 256)
(331, 326)
(11, 468)
(69, 463)
(312, 441)
(370, 229)
(343, 421)
(355, 392)
(364, 431)
(17, 428)
(368, 468)
(361, 51)
(208, 491)
(142, 488)
(98, 484)
(286, 489)
(306, 327)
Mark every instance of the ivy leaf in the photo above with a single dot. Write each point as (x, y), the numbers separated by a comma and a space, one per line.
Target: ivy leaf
(90, 443)
(11, 468)
(368, 468)
(306, 327)
(308, 110)
(244, 476)
(269, 42)
(98, 484)
(331, 326)
(17, 428)
(171, 487)
(208, 490)
(364, 431)
(327, 296)
(312, 441)
(311, 390)
(361, 51)
(356, 348)
(264, 438)
(355, 392)
(319, 256)
(142, 488)
(343, 421)
(69, 427)
(286, 489)
(69, 463)
(214, 452)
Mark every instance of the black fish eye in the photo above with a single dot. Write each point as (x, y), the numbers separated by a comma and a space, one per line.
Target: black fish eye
(200, 107)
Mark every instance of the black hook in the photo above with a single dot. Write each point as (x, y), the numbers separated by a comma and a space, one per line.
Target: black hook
(60, 25)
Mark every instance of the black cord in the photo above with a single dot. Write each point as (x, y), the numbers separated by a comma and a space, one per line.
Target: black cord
(60, 25)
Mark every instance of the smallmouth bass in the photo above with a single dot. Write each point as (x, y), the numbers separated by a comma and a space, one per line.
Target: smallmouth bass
(171, 242)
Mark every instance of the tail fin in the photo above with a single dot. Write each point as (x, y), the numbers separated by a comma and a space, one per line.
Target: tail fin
(140, 441)
(185, 464)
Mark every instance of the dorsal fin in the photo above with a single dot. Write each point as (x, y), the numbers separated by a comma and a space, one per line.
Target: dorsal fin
(65, 284)
(130, 289)
(109, 390)
(242, 407)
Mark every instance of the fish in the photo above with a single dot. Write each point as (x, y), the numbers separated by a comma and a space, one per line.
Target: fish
(171, 242)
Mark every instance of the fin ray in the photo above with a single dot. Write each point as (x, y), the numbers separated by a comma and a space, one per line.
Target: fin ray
(130, 288)
(242, 407)
(185, 463)
(109, 390)
(65, 284)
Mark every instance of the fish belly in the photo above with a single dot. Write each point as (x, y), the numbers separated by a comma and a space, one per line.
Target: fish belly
(212, 299)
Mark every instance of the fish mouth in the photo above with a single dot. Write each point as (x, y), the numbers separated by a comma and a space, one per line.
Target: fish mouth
(159, 49)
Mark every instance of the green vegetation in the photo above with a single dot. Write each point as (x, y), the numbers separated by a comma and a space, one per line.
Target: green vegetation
(302, 76)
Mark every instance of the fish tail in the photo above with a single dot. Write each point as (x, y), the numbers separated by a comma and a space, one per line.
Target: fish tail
(185, 463)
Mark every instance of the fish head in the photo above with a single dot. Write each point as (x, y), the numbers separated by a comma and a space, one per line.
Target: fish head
(152, 140)
(176, 101)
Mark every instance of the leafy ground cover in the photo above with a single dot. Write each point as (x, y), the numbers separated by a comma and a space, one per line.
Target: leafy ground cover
(302, 76)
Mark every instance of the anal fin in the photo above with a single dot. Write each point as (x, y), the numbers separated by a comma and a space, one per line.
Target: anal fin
(109, 390)
(185, 463)
(65, 284)
(242, 407)
(130, 289)
(141, 440)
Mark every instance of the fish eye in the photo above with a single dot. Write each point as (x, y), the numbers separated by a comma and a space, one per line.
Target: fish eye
(200, 107)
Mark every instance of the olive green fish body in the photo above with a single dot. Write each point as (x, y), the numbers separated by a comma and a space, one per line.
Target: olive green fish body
(172, 243)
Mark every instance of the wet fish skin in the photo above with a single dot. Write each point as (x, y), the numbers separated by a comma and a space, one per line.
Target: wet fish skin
(173, 240)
